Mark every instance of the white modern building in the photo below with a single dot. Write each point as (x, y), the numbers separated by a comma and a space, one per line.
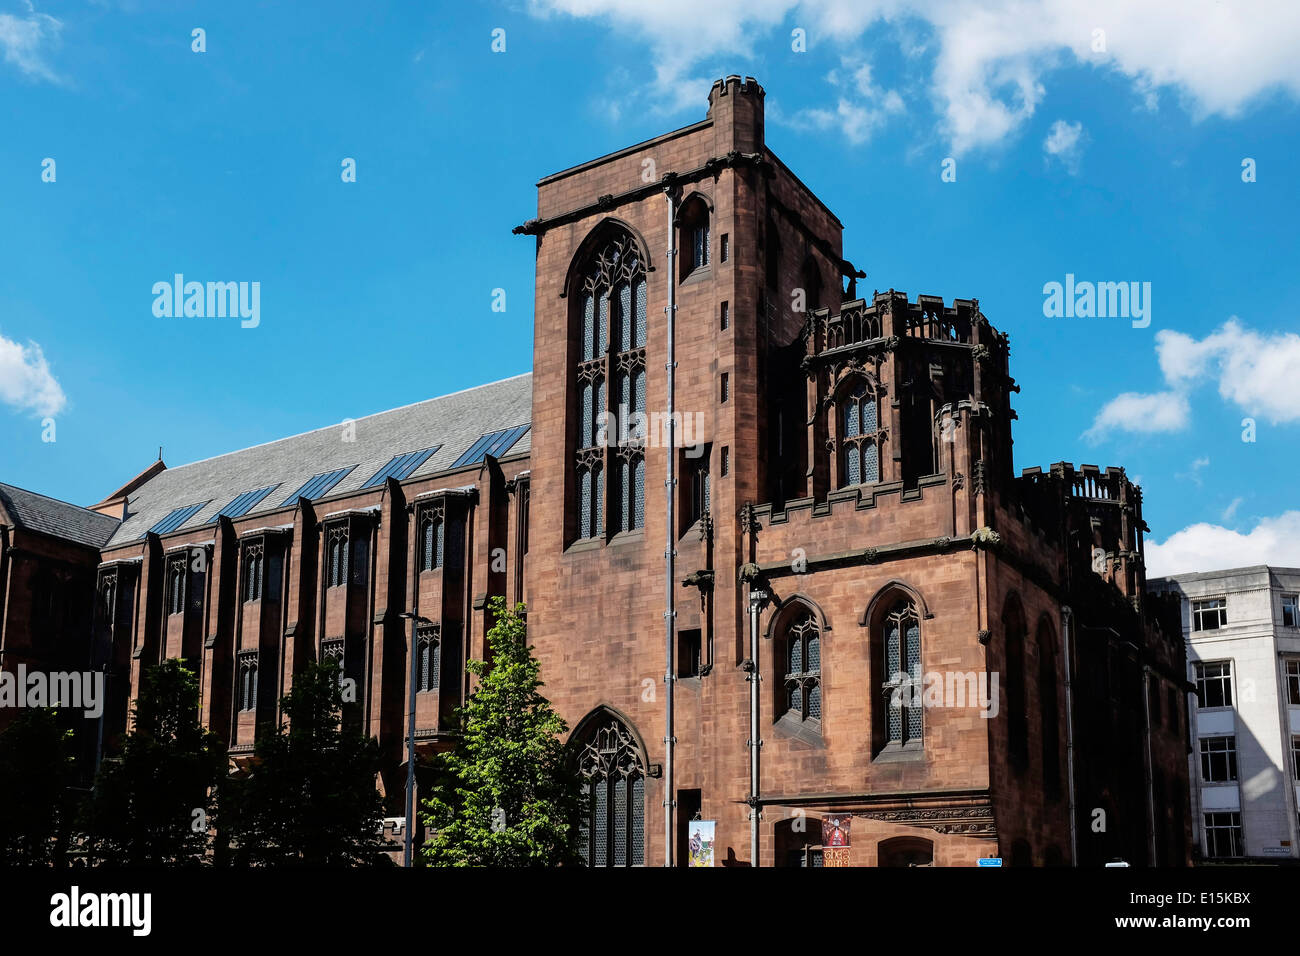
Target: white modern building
(1242, 629)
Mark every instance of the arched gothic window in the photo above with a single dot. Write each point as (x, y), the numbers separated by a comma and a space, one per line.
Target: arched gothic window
(431, 538)
(338, 557)
(610, 765)
(247, 681)
(428, 660)
(693, 235)
(859, 424)
(611, 433)
(176, 586)
(253, 574)
(1051, 731)
(1014, 631)
(800, 659)
(900, 658)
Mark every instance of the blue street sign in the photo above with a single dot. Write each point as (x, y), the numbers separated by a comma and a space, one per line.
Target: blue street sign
(990, 861)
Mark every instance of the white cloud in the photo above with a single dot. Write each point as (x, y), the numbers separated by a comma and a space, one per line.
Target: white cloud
(1253, 370)
(861, 109)
(25, 40)
(1147, 414)
(26, 382)
(1230, 512)
(1064, 142)
(1212, 547)
(991, 58)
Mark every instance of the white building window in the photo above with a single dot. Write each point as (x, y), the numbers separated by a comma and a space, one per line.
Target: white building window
(1210, 614)
(1223, 834)
(1291, 610)
(1293, 681)
(1218, 759)
(1213, 684)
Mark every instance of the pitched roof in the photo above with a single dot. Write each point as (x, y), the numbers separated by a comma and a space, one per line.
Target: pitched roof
(59, 519)
(452, 422)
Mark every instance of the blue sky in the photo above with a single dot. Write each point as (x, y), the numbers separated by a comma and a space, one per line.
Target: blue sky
(1113, 157)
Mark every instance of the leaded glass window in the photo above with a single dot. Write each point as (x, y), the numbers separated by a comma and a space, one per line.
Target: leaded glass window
(337, 557)
(610, 765)
(802, 694)
(902, 677)
(859, 437)
(432, 539)
(428, 662)
(612, 312)
(253, 574)
(246, 688)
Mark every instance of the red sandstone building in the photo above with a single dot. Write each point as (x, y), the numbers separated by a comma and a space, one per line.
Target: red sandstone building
(848, 456)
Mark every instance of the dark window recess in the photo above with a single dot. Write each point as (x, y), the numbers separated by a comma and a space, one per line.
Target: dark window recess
(726, 387)
(431, 542)
(724, 247)
(726, 461)
(689, 653)
(253, 576)
(337, 558)
(726, 316)
(700, 490)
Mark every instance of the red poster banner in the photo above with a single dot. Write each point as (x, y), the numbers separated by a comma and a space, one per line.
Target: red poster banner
(835, 840)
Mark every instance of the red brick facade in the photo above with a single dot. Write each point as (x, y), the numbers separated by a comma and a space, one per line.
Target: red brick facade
(859, 463)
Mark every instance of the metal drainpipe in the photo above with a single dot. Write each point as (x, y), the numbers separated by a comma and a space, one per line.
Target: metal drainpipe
(1067, 624)
(757, 597)
(1151, 799)
(670, 484)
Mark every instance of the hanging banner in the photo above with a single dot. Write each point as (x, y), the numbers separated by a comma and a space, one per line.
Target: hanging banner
(699, 844)
(835, 840)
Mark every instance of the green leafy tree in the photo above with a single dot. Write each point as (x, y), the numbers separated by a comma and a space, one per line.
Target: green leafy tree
(36, 768)
(507, 795)
(310, 798)
(153, 805)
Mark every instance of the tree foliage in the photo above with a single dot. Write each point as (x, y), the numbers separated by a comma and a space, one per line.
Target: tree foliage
(153, 804)
(36, 768)
(507, 795)
(310, 797)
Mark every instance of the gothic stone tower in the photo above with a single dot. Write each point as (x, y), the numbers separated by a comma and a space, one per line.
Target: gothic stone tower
(850, 454)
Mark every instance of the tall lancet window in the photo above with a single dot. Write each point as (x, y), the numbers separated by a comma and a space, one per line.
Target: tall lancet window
(610, 389)
(859, 425)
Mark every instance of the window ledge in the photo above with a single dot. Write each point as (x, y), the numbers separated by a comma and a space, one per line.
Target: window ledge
(625, 538)
(808, 731)
(698, 274)
(585, 544)
(904, 753)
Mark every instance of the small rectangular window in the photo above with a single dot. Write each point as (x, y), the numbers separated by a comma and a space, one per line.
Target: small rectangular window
(1218, 759)
(1290, 610)
(1293, 681)
(724, 250)
(1210, 614)
(726, 387)
(1214, 684)
(689, 653)
(1223, 834)
(1295, 756)
(726, 461)
(726, 316)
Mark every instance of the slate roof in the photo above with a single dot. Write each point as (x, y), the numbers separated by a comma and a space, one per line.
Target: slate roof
(59, 519)
(455, 422)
